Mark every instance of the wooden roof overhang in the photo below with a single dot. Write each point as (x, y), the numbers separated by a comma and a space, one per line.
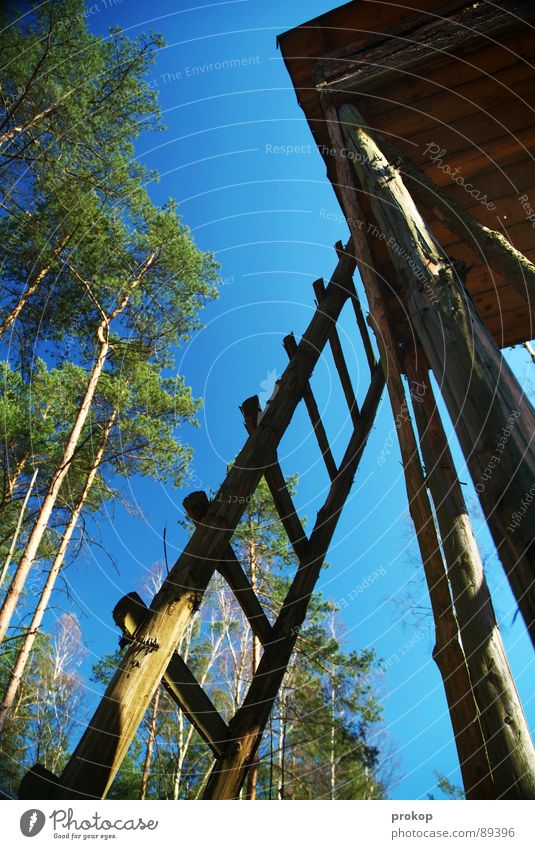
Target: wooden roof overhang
(453, 75)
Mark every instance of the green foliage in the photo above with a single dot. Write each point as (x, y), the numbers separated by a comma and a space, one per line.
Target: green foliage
(447, 788)
(92, 274)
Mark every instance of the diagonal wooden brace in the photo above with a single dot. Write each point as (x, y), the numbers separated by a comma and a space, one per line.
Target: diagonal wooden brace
(285, 508)
(196, 506)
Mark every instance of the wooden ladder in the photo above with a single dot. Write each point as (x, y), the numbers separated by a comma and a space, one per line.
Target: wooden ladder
(153, 632)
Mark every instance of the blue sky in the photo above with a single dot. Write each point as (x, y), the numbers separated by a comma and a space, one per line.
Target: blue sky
(270, 217)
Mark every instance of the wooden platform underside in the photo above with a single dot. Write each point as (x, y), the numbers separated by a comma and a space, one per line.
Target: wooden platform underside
(465, 110)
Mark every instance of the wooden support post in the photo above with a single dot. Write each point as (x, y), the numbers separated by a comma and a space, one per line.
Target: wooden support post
(196, 506)
(178, 679)
(290, 346)
(447, 653)
(99, 754)
(483, 397)
(247, 726)
(339, 360)
(490, 245)
(509, 747)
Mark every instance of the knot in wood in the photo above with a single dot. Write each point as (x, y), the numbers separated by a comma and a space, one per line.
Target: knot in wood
(146, 644)
(195, 602)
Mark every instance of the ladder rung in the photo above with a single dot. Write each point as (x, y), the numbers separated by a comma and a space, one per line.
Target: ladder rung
(290, 346)
(339, 360)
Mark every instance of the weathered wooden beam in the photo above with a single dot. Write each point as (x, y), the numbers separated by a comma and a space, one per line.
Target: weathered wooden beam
(480, 390)
(247, 726)
(488, 245)
(505, 730)
(339, 360)
(448, 653)
(178, 679)
(290, 346)
(428, 42)
(99, 754)
(196, 506)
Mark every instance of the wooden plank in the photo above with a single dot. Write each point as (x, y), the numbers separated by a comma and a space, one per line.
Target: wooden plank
(363, 329)
(502, 185)
(455, 137)
(339, 360)
(99, 754)
(290, 346)
(178, 679)
(441, 36)
(352, 27)
(230, 568)
(484, 93)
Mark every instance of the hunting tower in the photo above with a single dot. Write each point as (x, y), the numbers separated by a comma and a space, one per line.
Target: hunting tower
(423, 113)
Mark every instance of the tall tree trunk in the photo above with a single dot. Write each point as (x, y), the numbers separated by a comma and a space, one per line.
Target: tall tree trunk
(31, 634)
(183, 745)
(49, 501)
(281, 788)
(180, 759)
(43, 517)
(150, 746)
(18, 526)
(332, 758)
(184, 740)
(252, 776)
(447, 652)
(509, 746)
(479, 389)
(31, 122)
(31, 288)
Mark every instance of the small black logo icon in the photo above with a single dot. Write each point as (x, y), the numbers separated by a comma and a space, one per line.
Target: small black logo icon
(32, 822)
